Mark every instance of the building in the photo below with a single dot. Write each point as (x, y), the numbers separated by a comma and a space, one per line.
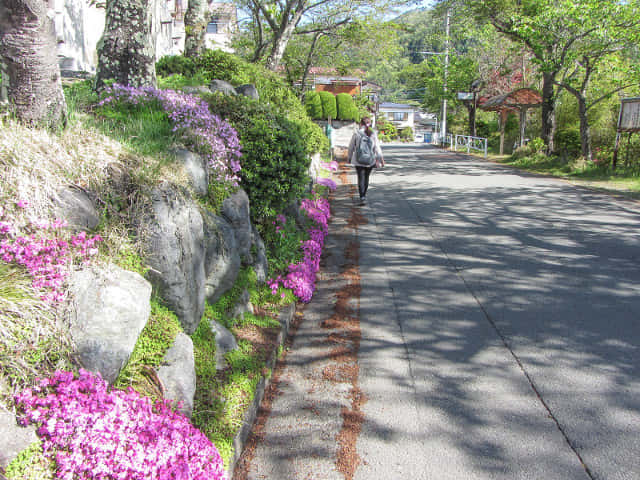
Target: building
(400, 114)
(222, 26)
(79, 25)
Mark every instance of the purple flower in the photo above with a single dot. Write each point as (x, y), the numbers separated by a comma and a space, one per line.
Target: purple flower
(210, 136)
(327, 182)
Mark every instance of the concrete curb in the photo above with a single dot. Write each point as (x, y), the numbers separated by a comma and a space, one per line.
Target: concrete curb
(240, 440)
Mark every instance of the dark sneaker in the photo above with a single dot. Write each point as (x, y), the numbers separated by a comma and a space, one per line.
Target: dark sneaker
(363, 201)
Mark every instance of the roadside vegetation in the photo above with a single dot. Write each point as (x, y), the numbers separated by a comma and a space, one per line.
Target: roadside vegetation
(261, 145)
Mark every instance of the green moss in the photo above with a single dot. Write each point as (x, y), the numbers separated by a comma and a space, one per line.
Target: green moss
(30, 464)
(152, 345)
(222, 398)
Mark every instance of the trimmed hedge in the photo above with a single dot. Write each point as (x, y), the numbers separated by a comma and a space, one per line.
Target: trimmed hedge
(347, 109)
(313, 105)
(329, 107)
(274, 162)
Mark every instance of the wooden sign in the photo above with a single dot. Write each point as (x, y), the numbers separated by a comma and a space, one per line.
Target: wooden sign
(629, 120)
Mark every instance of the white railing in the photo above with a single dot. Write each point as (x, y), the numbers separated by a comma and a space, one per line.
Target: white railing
(470, 143)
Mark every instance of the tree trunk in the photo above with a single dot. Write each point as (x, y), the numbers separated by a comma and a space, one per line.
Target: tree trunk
(585, 131)
(126, 52)
(548, 110)
(280, 41)
(195, 27)
(28, 50)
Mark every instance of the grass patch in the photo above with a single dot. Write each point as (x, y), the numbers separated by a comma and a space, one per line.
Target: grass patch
(223, 397)
(33, 340)
(580, 172)
(152, 345)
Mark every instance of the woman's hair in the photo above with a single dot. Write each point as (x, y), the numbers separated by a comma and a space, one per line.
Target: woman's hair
(366, 123)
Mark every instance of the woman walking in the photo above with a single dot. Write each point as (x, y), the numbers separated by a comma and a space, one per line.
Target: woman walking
(365, 154)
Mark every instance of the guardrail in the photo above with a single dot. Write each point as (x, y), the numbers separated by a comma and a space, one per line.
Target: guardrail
(470, 143)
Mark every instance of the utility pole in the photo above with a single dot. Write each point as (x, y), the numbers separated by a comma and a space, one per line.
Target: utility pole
(443, 130)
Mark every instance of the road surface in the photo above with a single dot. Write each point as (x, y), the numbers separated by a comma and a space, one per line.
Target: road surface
(499, 333)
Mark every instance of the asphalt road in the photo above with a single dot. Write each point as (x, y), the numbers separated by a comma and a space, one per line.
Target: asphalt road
(500, 317)
(499, 332)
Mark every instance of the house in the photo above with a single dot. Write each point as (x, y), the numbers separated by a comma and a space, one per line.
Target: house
(400, 114)
(222, 26)
(328, 79)
(79, 25)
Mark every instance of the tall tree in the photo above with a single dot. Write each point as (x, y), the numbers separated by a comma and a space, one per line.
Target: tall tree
(554, 31)
(275, 23)
(196, 19)
(615, 28)
(126, 52)
(28, 50)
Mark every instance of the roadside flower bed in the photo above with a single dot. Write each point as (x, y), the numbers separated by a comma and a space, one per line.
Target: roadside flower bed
(211, 136)
(93, 432)
(47, 253)
(301, 278)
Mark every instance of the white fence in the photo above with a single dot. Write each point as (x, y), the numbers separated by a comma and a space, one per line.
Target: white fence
(469, 143)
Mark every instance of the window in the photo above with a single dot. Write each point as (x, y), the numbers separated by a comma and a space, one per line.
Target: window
(400, 116)
(212, 27)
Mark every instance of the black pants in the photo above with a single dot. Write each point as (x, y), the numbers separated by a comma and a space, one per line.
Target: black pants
(363, 179)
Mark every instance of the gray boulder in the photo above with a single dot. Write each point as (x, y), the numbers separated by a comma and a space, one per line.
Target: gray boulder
(222, 259)
(242, 306)
(176, 253)
(260, 264)
(195, 90)
(110, 309)
(225, 342)
(74, 205)
(178, 373)
(235, 209)
(13, 438)
(196, 169)
(248, 90)
(222, 87)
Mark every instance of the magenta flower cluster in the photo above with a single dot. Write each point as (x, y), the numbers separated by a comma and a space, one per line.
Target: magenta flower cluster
(213, 137)
(47, 254)
(332, 166)
(301, 278)
(94, 432)
(327, 182)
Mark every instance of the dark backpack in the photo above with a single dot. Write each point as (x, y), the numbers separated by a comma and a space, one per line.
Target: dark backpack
(365, 155)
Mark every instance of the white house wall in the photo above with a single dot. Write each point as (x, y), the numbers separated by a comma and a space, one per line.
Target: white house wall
(79, 27)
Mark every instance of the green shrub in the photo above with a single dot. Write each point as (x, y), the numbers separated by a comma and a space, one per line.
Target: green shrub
(172, 64)
(329, 108)
(406, 134)
(313, 104)
(216, 64)
(387, 131)
(537, 145)
(347, 110)
(274, 161)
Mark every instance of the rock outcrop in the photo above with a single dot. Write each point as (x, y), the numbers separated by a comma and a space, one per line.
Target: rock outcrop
(248, 90)
(75, 206)
(225, 342)
(196, 169)
(235, 209)
(13, 438)
(178, 374)
(222, 87)
(222, 256)
(110, 309)
(176, 252)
